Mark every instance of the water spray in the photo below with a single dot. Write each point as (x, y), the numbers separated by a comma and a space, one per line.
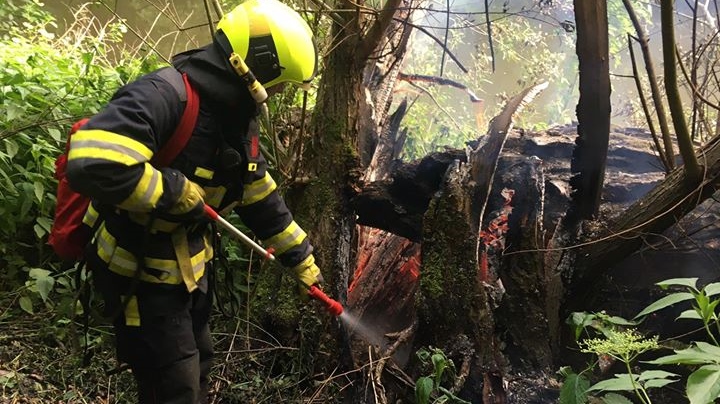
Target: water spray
(332, 306)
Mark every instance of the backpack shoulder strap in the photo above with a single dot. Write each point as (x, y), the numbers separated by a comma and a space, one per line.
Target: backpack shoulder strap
(179, 139)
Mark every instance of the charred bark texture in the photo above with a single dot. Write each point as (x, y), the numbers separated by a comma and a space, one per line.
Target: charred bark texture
(593, 109)
(660, 208)
(522, 314)
(454, 308)
(398, 203)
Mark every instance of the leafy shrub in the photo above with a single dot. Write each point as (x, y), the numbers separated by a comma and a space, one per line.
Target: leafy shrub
(49, 81)
(626, 344)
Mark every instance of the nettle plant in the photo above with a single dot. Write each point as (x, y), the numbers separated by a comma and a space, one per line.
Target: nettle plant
(613, 338)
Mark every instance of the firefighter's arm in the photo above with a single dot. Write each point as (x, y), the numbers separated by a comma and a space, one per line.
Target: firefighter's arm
(109, 157)
(264, 211)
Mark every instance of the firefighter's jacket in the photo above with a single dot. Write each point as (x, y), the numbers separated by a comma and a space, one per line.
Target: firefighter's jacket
(109, 161)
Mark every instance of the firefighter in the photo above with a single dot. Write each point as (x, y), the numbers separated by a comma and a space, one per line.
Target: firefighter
(152, 251)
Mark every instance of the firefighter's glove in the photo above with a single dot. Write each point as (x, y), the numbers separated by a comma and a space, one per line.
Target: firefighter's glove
(190, 206)
(308, 273)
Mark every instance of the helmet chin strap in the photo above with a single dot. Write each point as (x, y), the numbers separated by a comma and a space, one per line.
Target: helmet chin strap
(257, 91)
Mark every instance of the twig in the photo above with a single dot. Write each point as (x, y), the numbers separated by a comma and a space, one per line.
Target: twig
(447, 34)
(694, 89)
(645, 108)
(437, 40)
(400, 337)
(372, 39)
(489, 34)
(654, 89)
(439, 80)
(209, 18)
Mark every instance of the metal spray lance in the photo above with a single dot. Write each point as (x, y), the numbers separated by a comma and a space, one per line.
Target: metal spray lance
(332, 306)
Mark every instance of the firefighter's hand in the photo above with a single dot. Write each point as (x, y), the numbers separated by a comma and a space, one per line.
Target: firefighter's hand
(308, 273)
(191, 203)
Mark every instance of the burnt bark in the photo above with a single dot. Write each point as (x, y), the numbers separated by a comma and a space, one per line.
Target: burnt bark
(655, 212)
(593, 109)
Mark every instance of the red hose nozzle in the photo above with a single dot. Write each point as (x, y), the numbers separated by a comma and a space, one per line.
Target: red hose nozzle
(332, 306)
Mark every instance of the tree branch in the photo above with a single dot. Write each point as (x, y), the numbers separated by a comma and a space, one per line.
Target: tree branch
(377, 32)
(646, 110)
(692, 167)
(654, 89)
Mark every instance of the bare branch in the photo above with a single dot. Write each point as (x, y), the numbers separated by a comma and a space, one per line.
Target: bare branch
(377, 32)
(646, 110)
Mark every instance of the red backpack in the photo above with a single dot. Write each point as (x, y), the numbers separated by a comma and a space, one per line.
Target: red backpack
(69, 235)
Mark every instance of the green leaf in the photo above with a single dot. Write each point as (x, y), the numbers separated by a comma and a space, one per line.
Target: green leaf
(688, 356)
(689, 282)
(45, 223)
(690, 314)
(14, 111)
(26, 304)
(703, 385)
(620, 321)
(39, 189)
(43, 280)
(39, 231)
(55, 134)
(574, 390)
(423, 388)
(711, 349)
(614, 398)
(712, 289)
(666, 301)
(621, 382)
(655, 374)
(440, 363)
(657, 383)
(11, 147)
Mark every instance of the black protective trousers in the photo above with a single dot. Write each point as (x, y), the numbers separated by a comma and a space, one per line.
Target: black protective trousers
(170, 352)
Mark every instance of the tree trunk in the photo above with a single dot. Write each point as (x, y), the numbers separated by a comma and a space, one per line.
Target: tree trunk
(593, 109)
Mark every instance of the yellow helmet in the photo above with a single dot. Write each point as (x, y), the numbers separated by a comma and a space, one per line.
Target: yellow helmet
(273, 39)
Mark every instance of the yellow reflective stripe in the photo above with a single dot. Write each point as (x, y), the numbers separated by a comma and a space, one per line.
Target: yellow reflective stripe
(286, 239)
(147, 192)
(209, 250)
(310, 260)
(182, 252)
(91, 216)
(258, 190)
(132, 313)
(98, 144)
(123, 262)
(214, 195)
(204, 173)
